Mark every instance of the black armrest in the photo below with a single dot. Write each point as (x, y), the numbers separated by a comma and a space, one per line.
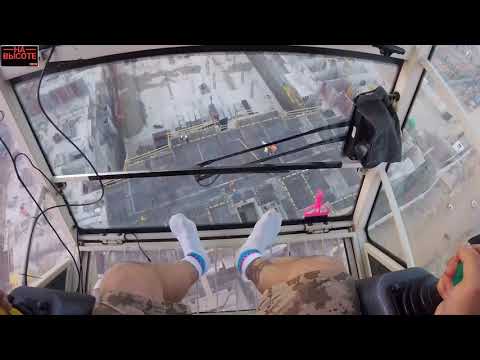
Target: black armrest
(40, 301)
(409, 292)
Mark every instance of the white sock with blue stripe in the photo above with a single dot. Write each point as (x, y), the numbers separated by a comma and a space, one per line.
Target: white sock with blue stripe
(186, 232)
(262, 237)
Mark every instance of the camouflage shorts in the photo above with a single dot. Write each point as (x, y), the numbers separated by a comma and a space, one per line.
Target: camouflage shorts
(121, 303)
(312, 294)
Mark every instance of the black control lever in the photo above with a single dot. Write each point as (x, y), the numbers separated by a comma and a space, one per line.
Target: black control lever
(388, 50)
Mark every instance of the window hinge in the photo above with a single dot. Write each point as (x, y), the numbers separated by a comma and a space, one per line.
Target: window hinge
(313, 229)
(113, 242)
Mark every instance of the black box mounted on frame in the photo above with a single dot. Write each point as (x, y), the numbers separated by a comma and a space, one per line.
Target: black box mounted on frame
(374, 134)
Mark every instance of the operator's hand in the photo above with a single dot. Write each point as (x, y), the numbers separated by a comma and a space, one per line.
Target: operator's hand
(4, 304)
(463, 299)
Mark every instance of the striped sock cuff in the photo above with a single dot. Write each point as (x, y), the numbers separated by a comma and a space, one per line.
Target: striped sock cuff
(197, 261)
(245, 259)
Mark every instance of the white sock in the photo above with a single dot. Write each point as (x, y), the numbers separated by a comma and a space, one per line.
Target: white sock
(262, 237)
(186, 232)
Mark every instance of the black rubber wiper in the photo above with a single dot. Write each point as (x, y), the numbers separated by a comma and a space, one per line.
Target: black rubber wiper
(213, 170)
(313, 131)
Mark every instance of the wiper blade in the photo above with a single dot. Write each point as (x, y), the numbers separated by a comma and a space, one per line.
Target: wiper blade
(213, 170)
(313, 131)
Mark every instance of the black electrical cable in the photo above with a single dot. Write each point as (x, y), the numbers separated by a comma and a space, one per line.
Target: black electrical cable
(220, 308)
(30, 239)
(35, 222)
(42, 212)
(80, 261)
(86, 272)
(139, 246)
(63, 134)
(199, 181)
(75, 146)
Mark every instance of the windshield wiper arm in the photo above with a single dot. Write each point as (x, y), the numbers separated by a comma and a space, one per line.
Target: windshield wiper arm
(213, 170)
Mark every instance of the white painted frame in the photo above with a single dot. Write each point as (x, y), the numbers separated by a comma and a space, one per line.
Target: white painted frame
(83, 52)
(397, 217)
(216, 243)
(50, 275)
(407, 84)
(239, 232)
(382, 258)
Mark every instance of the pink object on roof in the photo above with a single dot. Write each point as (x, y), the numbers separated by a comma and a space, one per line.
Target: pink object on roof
(318, 208)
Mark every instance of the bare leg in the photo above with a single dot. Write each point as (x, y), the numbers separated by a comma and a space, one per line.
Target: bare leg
(157, 282)
(126, 286)
(265, 273)
(307, 285)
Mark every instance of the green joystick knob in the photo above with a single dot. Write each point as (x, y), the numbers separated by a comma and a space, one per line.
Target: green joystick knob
(458, 277)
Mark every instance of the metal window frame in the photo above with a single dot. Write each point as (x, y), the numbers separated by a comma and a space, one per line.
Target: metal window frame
(382, 258)
(430, 55)
(231, 233)
(68, 57)
(71, 57)
(222, 241)
(407, 85)
(397, 217)
(156, 242)
(351, 259)
(65, 265)
(230, 229)
(216, 235)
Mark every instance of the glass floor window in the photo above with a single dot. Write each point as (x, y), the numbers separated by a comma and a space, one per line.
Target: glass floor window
(222, 289)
